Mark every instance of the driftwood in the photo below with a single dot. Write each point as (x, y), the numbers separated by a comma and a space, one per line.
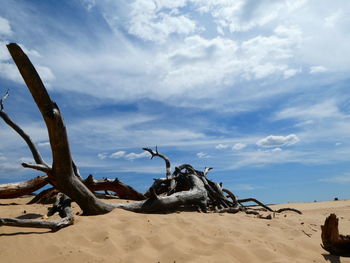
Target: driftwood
(62, 206)
(14, 190)
(332, 241)
(122, 190)
(196, 197)
(218, 199)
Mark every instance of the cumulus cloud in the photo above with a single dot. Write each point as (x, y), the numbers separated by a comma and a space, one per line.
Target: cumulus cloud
(221, 146)
(202, 155)
(117, 155)
(102, 156)
(317, 69)
(133, 156)
(44, 144)
(239, 146)
(149, 20)
(277, 141)
(123, 154)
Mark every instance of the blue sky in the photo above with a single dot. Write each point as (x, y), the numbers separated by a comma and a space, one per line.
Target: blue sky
(259, 90)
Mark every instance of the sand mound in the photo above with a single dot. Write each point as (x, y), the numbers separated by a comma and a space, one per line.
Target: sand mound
(122, 236)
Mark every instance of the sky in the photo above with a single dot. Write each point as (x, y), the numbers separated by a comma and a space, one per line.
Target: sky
(258, 90)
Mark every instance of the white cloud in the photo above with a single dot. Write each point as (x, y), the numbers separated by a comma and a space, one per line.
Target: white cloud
(133, 156)
(317, 69)
(290, 73)
(44, 144)
(117, 155)
(202, 155)
(239, 146)
(5, 28)
(244, 15)
(153, 20)
(10, 71)
(123, 154)
(276, 141)
(102, 156)
(221, 146)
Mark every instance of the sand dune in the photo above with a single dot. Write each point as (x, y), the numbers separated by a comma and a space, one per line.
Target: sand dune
(122, 236)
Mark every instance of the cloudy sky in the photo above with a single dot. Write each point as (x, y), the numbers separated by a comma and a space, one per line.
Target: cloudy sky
(259, 90)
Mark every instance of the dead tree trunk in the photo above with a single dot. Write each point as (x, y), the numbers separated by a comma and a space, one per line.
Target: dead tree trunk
(332, 241)
(62, 169)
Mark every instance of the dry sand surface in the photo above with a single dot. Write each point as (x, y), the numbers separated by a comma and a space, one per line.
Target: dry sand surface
(122, 236)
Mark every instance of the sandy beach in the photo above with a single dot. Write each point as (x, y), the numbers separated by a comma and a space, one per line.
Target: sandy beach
(122, 236)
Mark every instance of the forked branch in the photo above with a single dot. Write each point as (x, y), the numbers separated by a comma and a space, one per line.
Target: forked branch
(164, 157)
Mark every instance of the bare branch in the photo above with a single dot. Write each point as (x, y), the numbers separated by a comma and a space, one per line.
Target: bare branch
(206, 170)
(39, 167)
(35, 152)
(3, 99)
(53, 225)
(164, 157)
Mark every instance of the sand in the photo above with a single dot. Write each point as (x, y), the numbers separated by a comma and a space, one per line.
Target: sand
(122, 236)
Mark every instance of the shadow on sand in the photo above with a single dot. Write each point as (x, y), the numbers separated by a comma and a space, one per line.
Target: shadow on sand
(331, 258)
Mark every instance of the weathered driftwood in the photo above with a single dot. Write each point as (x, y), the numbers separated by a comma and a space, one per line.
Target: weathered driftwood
(122, 190)
(164, 157)
(332, 241)
(195, 197)
(14, 190)
(62, 206)
(217, 200)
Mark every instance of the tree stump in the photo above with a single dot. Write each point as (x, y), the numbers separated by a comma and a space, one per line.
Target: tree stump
(333, 242)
